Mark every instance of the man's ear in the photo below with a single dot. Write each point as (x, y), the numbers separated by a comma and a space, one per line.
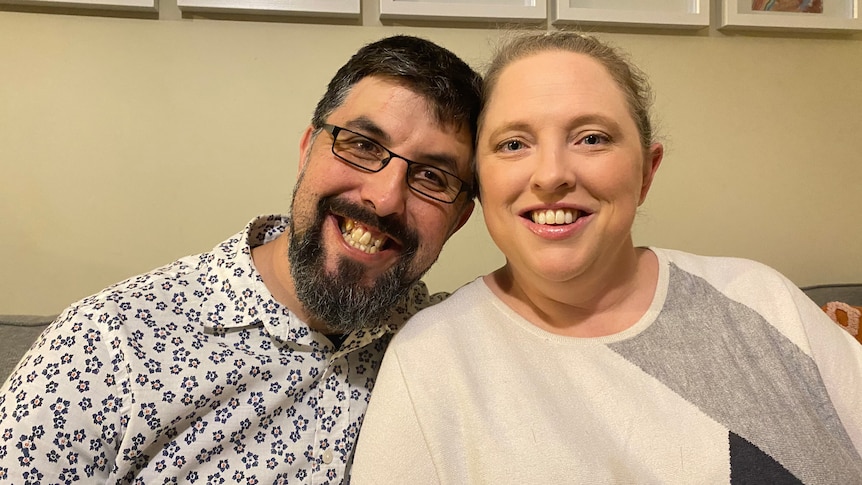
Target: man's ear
(652, 160)
(464, 217)
(305, 146)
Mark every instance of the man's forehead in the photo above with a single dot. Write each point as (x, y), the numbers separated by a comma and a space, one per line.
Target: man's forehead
(374, 94)
(386, 90)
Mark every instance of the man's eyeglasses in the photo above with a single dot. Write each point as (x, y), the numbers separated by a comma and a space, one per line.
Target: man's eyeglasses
(366, 154)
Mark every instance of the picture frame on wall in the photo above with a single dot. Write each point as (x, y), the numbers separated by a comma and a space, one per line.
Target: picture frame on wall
(468, 10)
(315, 8)
(684, 14)
(796, 15)
(119, 5)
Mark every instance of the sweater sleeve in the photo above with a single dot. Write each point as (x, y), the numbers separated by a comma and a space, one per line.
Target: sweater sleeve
(391, 447)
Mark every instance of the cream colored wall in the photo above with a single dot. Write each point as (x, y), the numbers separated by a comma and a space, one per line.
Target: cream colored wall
(126, 143)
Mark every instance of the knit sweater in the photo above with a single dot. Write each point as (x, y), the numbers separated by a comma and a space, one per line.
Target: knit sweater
(731, 376)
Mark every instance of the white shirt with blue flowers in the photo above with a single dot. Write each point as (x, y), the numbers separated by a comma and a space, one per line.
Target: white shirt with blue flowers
(191, 373)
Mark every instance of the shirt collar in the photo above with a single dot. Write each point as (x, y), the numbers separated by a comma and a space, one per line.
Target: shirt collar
(236, 297)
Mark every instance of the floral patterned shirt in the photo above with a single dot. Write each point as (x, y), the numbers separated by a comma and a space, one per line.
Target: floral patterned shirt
(191, 373)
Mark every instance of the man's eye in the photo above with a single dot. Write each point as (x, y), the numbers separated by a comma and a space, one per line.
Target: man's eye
(430, 178)
(363, 145)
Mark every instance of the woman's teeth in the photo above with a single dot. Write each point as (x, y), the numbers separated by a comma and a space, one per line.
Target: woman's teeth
(559, 216)
(360, 238)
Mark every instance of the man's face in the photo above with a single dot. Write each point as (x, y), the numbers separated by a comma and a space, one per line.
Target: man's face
(359, 240)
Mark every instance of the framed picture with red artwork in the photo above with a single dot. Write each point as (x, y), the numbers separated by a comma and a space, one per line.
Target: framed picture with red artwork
(815, 15)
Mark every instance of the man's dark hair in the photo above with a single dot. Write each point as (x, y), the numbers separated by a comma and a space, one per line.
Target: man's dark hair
(448, 84)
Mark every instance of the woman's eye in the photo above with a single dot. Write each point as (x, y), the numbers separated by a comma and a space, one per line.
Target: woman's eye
(511, 145)
(594, 139)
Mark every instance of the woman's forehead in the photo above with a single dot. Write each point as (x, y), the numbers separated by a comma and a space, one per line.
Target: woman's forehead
(555, 83)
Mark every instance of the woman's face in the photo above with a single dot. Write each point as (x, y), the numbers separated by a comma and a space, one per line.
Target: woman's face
(561, 166)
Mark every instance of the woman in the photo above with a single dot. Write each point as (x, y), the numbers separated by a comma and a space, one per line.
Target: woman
(585, 359)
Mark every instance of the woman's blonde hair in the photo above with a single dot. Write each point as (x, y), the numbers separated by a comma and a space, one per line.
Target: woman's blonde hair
(630, 79)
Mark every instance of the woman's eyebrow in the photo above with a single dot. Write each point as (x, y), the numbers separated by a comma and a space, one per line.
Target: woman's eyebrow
(583, 119)
(595, 118)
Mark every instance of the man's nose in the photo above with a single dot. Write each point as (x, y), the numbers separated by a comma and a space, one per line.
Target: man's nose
(386, 191)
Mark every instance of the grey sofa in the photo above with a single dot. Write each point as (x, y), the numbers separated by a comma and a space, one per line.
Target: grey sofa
(17, 332)
(822, 294)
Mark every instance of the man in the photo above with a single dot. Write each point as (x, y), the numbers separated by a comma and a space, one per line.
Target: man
(253, 363)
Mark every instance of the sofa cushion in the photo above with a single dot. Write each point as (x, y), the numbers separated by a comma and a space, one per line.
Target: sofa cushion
(823, 294)
(18, 332)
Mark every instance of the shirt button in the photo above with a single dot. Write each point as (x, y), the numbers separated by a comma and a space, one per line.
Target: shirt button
(327, 457)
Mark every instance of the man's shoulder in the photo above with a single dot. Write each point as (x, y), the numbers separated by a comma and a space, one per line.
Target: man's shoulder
(189, 273)
(172, 284)
(177, 274)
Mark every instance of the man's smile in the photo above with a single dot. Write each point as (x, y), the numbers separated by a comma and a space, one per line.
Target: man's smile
(361, 237)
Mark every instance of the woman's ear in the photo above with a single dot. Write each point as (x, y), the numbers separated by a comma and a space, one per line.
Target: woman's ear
(652, 160)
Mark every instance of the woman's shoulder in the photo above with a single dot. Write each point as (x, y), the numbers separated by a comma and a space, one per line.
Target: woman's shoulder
(709, 264)
(455, 314)
(744, 280)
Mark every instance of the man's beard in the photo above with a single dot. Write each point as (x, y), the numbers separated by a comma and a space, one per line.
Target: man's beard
(339, 299)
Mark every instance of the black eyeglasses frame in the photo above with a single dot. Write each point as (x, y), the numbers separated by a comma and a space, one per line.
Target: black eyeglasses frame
(333, 130)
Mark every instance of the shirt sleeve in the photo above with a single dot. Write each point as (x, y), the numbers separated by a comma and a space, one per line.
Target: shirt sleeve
(60, 409)
(391, 447)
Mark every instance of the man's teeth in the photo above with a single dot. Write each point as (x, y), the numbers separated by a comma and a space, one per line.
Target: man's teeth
(559, 216)
(358, 237)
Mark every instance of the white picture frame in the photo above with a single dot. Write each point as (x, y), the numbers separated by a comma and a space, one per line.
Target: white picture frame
(126, 5)
(684, 14)
(837, 16)
(315, 8)
(468, 10)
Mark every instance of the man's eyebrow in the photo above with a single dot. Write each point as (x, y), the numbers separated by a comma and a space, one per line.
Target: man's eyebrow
(367, 127)
(443, 161)
(364, 125)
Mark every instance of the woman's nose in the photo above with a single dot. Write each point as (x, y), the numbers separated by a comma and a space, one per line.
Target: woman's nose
(554, 170)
